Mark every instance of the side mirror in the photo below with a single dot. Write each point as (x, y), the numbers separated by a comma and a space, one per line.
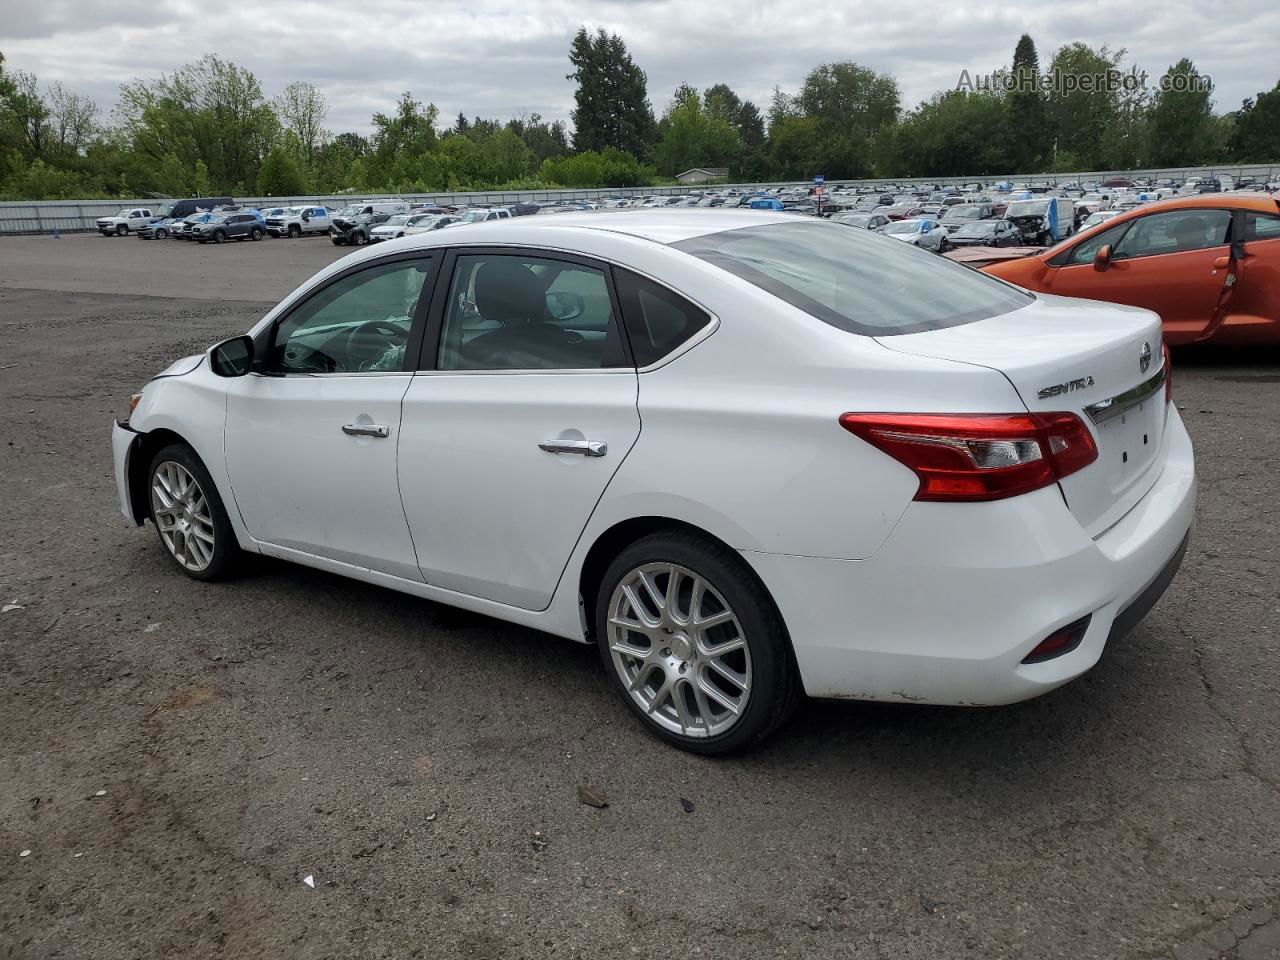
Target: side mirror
(306, 215)
(565, 306)
(1103, 256)
(232, 358)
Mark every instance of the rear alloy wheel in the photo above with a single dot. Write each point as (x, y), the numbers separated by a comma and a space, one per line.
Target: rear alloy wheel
(189, 515)
(693, 644)
(255, 233)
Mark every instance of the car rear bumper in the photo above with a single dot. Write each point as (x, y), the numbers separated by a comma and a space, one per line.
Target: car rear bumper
(124, 443)
(946, 611)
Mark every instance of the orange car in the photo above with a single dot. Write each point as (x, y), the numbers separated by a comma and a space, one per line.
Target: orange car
(1208, 264)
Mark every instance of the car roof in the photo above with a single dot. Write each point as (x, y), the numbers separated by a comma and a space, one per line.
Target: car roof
(664, 225)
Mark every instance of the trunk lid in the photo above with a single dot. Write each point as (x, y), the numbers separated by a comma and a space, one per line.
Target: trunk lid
(1082, 357)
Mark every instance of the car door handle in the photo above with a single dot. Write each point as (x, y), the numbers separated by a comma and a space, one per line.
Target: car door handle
(587, 448)
(366, 430)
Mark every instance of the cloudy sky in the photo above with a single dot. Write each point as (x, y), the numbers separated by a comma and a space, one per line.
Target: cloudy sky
(496, 58)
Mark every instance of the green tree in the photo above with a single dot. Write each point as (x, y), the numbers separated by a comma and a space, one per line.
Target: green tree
(954, 134)
(794, 150)
(1083, 102)
(1255, 137)
(279, 175)
(1028, 122)
(1182, 126)
(612, 101)
(691, 136)
(402, 136)
(852, 105)
(302, 109)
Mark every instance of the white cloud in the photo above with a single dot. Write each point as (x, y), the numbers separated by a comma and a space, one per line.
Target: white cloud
(495, 58)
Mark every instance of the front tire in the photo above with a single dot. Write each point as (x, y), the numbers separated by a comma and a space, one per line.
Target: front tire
(162, 234)
(694, 645)
(189, 515)
(294, 231)
(219, 237)
(359, 239)
(121, 230)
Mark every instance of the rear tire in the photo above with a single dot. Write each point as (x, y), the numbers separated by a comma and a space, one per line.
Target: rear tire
(729, 700)
(189, 516)
(255, 233)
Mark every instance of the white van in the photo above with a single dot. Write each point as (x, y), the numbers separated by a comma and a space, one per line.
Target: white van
(1043, 220)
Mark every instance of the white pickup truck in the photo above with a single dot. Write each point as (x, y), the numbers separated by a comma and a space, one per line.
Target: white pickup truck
(295, 221)
(130, 218)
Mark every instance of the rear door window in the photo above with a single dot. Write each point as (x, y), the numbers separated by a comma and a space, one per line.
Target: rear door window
(1262, 226)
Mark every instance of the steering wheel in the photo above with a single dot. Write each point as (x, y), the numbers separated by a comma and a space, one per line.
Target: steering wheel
(368, 342)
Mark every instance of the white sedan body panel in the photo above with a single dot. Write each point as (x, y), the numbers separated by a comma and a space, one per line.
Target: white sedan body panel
(737, 434)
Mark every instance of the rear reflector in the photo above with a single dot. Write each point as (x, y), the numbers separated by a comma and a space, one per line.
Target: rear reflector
(981, 456)
(1059, 642)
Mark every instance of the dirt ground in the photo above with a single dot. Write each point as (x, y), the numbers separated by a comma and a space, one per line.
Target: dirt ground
(177, 757)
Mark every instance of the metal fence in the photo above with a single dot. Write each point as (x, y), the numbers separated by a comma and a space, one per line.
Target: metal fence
(71, 216)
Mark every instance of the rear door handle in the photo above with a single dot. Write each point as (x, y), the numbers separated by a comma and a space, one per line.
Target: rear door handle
(587, 448)
(366, 430)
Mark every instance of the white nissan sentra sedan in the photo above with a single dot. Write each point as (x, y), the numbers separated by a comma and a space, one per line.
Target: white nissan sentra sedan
(749, 455)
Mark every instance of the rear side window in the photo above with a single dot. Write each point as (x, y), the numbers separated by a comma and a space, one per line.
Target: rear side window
(1262, 226)
(857, 280)
(658, 321)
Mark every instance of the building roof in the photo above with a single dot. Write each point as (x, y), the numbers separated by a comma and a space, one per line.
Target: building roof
(709, 171)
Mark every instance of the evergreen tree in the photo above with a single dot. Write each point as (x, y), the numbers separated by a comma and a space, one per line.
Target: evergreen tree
(612, 102)
(1028, 127)
(1182, 117)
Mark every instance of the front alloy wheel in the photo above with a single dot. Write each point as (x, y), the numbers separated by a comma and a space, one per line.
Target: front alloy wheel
(181, 512)
(189, 515)
(694, 644)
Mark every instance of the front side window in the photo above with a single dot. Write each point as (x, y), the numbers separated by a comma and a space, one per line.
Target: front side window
(1086, 250)
(508, 312)
(856, 281)
(358, 324)
(1178, 231)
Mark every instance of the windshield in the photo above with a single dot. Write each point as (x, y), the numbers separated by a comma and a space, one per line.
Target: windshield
(397, 221)
(473, 216)
(352, 210)
(855, 281)
(1027, 208)
(980, 229)
(903, 226)
(964, 213)
(853, 221)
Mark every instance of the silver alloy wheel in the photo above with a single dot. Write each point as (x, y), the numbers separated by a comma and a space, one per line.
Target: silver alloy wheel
(182, 514)
(679, 650)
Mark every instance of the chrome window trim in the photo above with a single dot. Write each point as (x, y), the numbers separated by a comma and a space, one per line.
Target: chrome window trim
(1104, 410)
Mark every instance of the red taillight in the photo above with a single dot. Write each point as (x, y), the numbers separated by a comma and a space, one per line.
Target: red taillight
(979, 456)
(1168, 375)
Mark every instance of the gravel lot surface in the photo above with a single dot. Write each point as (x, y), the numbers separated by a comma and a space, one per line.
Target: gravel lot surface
(177, 757)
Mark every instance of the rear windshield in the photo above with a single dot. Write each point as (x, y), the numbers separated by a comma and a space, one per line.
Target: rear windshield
(856, 280)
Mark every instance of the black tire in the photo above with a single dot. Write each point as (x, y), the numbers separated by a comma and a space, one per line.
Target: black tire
(295, 231)
(360, 239)
(161, 234)
(226, 554)
(255, 233)
(337, 242)
(774, 684)
(219, 236)
(121, 230)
